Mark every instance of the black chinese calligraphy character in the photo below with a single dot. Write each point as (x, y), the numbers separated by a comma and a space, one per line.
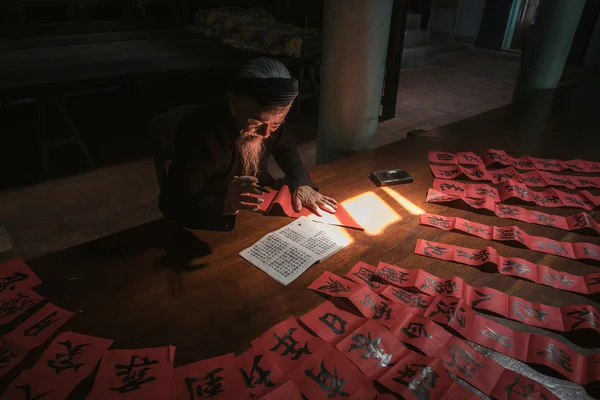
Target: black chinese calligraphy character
(28, 395)
(595, 166)
(592, 252)
(392, 275)
(470, 158)
(523, 164)
(582, 220)
(212, 384)
(328, 382)
(522, 391)
(334, 286)
(532, 179)
(520, 191)
(8, 282)
(574, 167)
(382, 310)
(509, 234)
(481, 255)
(561, 181)
(412, 300)
(579, 202)
(435, 196)
(552, 278)
(448, 173)
(517, 268)
(474, 202)
(438, 222)
(557, 355)
(485, 192)
(504, 211)
(366, 275)
(497, 156)
(530, 311)
(445, 156)
(134, 374)
(489, 333)
(451, 312)
(64, 361)
(371, 348)
(544, 218)
(415, 330)
(289, 345)
(257, 376)
(6, 355)
(476, 174)
(448, 286)
(45, 322)
(584, 315)
(432, 251)
(552, 246)
(548, 164)
(334, 322)
(473, 229)
(420, 385)
(15, 304)
(543, 200)
(500, 177)
(463, 361)
(586, 182)
(450, 186)
(482, 298)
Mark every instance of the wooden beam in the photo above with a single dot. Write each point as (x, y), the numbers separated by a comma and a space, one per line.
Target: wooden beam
(394, 59)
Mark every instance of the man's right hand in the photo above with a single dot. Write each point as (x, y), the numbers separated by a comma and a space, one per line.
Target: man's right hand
(238, 195)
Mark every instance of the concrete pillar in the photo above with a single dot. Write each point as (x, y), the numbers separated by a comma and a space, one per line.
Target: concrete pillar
(355, 39)
(547, 46)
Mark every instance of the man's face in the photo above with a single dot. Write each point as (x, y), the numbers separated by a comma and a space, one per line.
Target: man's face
(253, 119)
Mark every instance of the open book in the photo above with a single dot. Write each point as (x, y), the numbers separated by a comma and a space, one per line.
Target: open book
(286, 253)
(280, 203)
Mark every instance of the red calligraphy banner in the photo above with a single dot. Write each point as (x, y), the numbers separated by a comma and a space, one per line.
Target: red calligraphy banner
(331, 323)
(287, 391)
(16, 303)
(455, 355)
(512, 266)
(492, 156)
(328, 374)
(510, 189)
(260, 372)
(574, 251)
(365, 273)
(217, 378)
(456, 313)
(69, 359)
(277, 343)
(134, 374)
(11, 355)
(575, 222)
(15, 275)
(533, 178)
(39, 327)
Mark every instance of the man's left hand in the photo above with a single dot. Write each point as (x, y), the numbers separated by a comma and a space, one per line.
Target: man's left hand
(305, 196)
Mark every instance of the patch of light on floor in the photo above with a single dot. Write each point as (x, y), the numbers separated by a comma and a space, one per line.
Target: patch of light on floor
(371, 212)
(404, 202)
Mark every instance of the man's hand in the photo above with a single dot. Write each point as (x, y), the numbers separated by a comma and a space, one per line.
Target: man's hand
(238, 196)
(307, 197)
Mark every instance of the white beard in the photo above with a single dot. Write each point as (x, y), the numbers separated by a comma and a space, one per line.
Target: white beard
(251, 150)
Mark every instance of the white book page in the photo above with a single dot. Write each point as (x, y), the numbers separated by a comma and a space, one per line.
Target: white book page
(285, 254)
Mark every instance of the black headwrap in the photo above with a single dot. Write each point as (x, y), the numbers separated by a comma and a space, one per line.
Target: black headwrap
(274, 92)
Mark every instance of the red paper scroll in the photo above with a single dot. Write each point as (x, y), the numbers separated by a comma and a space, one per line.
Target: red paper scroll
(328, 374)
(261, 374)
(576, 250)
(511, 189)
(532, 178)
(536, 349)
(280, 203)
(331, 323)
(512, 266)
(39, 327)
(492, 156)
(216, 378)
(575, 222)
(288, 344)
(15, 303)
(15, 275)
(365, 273)
(11, 355)
(287, 391)
(69, 359)
(429, 337)
(134, 374)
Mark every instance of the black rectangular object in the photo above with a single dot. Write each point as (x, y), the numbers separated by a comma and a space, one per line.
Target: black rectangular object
(391, 177)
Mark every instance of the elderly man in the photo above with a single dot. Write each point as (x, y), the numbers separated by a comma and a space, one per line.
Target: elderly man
(220, 154)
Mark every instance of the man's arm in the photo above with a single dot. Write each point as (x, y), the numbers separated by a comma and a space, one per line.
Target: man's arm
(184, 198)
(286, 155)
